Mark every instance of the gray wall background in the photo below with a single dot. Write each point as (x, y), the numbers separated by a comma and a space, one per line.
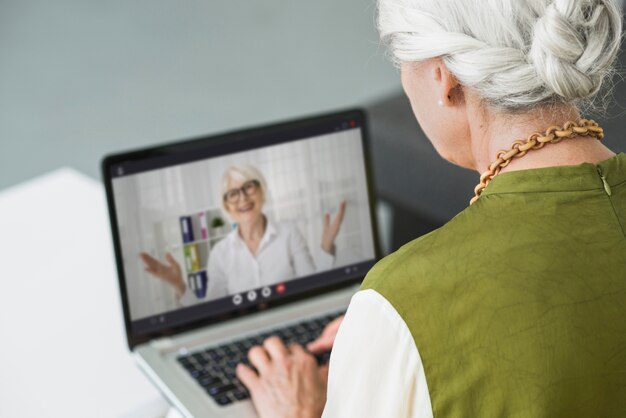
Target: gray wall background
(79, 79)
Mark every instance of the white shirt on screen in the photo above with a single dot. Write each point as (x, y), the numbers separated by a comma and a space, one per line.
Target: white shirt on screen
(375, 368)
(282, 255)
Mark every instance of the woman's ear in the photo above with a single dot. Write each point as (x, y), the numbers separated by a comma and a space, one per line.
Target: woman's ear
(450, 91)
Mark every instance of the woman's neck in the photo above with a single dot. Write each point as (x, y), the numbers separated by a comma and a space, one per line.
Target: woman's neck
(498, 132)
(253, 231)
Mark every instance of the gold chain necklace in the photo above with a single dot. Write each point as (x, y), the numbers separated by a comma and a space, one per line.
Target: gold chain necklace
(536, 140)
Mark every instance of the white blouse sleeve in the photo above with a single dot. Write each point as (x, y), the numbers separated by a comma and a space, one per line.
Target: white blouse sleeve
(375, 368)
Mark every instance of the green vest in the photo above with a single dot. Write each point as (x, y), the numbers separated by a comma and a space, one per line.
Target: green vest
(517, 306)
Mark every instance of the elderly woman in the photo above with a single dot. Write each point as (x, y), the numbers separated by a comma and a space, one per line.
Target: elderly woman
(257, 252)
(517, 306)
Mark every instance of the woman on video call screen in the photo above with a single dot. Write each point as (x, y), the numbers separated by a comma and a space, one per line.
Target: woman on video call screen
(214, 228)
(257, 252)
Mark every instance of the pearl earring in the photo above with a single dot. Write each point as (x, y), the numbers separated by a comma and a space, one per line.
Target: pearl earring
(440, 103)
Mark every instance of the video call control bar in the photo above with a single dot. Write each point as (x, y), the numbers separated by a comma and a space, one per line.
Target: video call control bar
(249, 299)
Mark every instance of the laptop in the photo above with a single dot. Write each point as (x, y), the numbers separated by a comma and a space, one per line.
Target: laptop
(195, 294)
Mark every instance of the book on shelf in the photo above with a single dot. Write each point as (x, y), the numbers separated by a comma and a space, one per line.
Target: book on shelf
(187, 254)
(204, 230)
(186, 229)
(192, 257)
(195, 258)
(198, 283)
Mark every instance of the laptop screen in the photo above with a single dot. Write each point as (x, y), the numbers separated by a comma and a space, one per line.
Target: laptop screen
(220, 225)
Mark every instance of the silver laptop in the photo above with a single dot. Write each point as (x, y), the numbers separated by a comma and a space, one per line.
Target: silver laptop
(196, 291)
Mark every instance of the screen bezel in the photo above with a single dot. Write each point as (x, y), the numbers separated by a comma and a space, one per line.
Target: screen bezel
(207, 143)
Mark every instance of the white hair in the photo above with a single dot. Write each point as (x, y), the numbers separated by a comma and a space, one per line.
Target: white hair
(517, 54)
(243, 173)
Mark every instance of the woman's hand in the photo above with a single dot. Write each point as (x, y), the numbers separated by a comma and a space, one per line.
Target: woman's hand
(331, 229)
(289, 382)
(170, 272)
(325, 341)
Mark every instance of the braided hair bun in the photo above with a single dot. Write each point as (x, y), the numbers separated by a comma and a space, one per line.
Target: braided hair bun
(573, 46)
(516, 54)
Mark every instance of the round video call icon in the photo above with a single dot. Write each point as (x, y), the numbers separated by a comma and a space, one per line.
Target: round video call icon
(266, 292)
(237, 299)
(252, 296)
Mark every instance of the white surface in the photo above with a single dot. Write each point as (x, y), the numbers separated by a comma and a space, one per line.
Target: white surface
(359, 383)
(63, 350)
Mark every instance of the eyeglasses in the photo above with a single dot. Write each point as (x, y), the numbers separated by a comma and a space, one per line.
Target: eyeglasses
(249, 188)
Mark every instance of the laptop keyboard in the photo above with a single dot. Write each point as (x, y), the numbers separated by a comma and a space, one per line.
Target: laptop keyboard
(214, 367)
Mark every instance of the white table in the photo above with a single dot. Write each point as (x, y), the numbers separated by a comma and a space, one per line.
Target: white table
(63, 351)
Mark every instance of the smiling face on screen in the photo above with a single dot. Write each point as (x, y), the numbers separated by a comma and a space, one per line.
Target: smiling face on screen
(244, 200)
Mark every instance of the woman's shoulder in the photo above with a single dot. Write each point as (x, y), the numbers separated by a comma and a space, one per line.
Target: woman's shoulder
(225, 244)
(426, 260)
(284, 229)
(282, 226)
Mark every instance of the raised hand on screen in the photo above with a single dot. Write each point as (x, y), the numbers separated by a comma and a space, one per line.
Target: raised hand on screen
(169, 273)
(331, 229)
